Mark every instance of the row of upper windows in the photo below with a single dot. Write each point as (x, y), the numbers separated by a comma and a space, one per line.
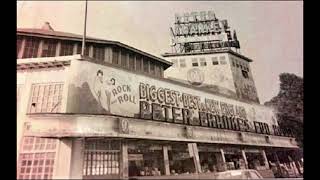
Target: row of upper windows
(120, 57)
(136, 62)
(50, 48)
(199, 62)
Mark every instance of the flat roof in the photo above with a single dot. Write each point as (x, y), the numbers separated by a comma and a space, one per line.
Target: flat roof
(76, 37)
(215, 51)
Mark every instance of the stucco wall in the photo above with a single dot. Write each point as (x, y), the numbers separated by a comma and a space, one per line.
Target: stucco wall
(219, 75)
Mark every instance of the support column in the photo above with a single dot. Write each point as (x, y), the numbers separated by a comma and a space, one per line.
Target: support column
(77, 159)
(90, 51)
(21, 51)
(124, 163)
(297, 160)
(108, 54)
(193, 151)
(166, 160)
(221, 160)
(265, 159)
(75, 48)
(222, 155)
(62, 165)
(245, 158)
(58, 49)
(40, 48)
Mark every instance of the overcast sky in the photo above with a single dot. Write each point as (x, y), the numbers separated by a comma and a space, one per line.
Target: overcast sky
(270, 33)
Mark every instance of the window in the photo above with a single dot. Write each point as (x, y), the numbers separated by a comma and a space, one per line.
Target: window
(145, 65)
(101, 157)
(203, 62)
(215, 61)
(183, 63)
(36, 160)
(158, 70)
(245, 74)
(31, 48)
(49, 48)
(195, 62)
(138, 63)
(223, 60)
(98, 52)
(131, 61)
(233, 62)
(175, 63)
(86, 50)
(115, 56)
(124, 59)
(46, 98)
(152, 68)
(19, 43)
(66, 48)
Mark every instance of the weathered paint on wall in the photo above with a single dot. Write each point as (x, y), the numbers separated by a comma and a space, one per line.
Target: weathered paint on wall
(245, 87)
(109, 126)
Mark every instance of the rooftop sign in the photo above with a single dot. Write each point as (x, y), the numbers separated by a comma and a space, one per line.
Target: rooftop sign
(198, 31)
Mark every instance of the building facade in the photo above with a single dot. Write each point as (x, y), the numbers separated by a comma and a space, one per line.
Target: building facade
(112, 114)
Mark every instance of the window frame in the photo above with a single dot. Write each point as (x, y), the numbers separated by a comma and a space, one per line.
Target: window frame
(86, 50)
(124, 59)
(203, 62)
(158, 69)
(182, 63)
(145, 62)
(19, 45)
(95, 153)
(245, 74)
(138, 63)
(215, 61)
(152, 68)
(66, 47)
(49, 52)
(195, 62)
(39, 159)
(98, 52)
(59, 97)
(34, 46)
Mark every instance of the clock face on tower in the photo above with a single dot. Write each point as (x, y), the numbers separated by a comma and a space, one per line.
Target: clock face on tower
(195, 76)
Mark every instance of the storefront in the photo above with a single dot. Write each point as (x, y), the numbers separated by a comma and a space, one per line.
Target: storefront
(151, 127)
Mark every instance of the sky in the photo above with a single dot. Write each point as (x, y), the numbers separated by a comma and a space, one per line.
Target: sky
(270, 32)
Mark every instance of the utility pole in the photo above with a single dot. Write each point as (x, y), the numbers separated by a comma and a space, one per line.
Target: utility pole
(85, 28)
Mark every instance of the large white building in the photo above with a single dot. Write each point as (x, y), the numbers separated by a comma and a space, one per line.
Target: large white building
(113, 114)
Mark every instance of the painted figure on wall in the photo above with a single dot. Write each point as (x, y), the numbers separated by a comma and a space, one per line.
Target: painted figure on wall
(102, 90)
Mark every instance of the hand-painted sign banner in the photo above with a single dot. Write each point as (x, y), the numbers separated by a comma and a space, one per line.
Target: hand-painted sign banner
(100, 89)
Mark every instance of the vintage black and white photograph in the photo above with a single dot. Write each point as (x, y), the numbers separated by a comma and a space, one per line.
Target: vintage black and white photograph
(139, 90)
